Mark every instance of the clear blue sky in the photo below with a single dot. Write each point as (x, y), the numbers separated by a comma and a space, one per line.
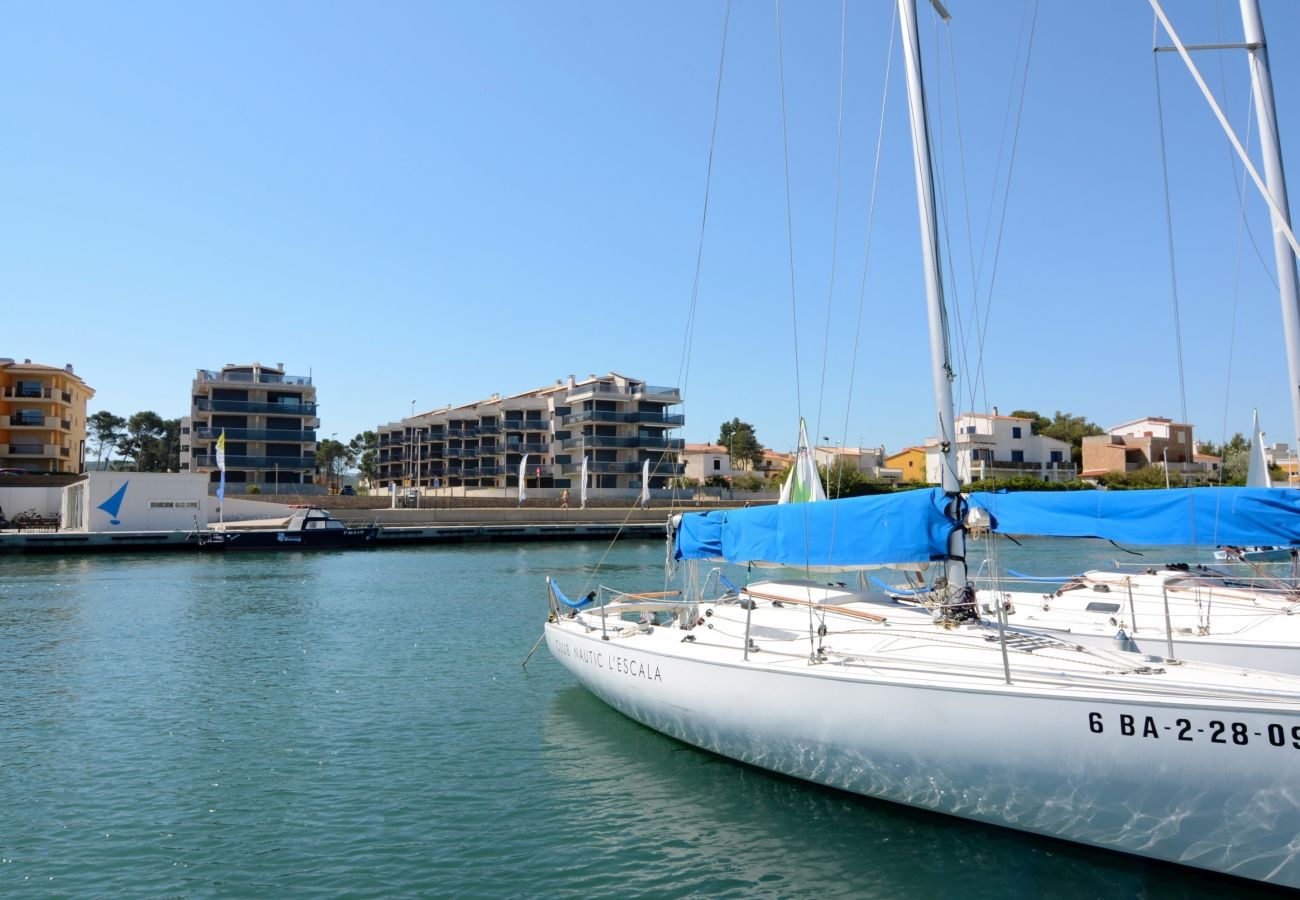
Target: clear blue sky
(442, 201)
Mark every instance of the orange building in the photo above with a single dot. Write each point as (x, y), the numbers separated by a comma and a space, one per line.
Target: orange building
(911, 462)
(42, 417)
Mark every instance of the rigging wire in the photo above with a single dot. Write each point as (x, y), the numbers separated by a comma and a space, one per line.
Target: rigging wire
(688, 337)
(871, 220)
(1002, 222)
(830, 294)
(1169, 224)
(835, 225)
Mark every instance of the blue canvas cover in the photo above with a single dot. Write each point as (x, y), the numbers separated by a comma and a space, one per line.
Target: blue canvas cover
(1205, 516)
(860, 531)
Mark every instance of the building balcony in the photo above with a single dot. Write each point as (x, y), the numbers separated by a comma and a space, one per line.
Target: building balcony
(622, 468)
(619, 418)
(521, 447)
(35, 451)
(209, 461)
(526, 425)
(633, 392)
(249, 406)
(209, 376)
(631, 443)
(45, 423)
(462, 432)
(257, 434)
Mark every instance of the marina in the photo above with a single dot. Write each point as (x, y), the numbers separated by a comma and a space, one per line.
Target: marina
(360, 723)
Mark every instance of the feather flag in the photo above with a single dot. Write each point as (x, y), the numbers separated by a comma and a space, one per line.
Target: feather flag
(645, 484)
(523, 475)
(583, 495)
(221, 465)
(804, 484)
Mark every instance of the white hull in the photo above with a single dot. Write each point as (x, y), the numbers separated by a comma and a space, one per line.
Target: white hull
(1211, 623)
(1077, 760)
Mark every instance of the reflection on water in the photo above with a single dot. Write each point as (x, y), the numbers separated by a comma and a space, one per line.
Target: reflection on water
(359, 724)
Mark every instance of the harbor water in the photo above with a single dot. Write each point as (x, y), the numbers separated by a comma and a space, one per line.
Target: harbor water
(359, 724)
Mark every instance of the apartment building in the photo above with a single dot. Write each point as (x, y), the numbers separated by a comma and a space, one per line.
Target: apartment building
(616, 422)
(42, 417)
(994, 446)
(269, 419)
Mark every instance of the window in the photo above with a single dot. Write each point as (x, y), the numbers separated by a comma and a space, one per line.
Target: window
(1015, 432)
(1017, 456)
(1056, 456)
(717, 464)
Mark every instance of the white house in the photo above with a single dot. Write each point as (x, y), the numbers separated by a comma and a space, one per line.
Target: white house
(990, 446)
(705, 461)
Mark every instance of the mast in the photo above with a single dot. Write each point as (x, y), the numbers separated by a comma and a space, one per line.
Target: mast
(955, 567)
(1275, 178)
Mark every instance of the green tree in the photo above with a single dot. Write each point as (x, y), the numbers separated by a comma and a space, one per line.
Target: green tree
(365, 450)
(143, 431)
(1064, 427)
(1236, 459)
(334, 458)
(106, 430)
(742, 443)
(1145, 478)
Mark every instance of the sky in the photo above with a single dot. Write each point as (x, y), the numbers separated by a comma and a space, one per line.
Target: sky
(420, 204)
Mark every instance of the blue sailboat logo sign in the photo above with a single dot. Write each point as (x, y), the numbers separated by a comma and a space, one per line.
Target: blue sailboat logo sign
(114, 504)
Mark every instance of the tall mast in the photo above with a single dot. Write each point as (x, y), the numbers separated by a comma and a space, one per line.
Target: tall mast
(940, 361)
(1275, 178)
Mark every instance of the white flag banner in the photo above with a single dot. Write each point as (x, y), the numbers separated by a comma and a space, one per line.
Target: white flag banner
(523, 474)
(645, 484)
(583, 496)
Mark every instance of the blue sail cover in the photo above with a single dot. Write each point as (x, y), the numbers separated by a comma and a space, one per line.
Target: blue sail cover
(1183, 516)
(860, 531)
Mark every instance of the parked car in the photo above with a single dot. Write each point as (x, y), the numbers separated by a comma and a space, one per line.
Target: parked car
(348, 491)
(13, 471)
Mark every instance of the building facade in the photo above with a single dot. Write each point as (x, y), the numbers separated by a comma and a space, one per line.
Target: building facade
(705, 461)
(910, 464)
(42, 417)
(1152, 441)
(269, 419)
(994, 446)
(616, 422)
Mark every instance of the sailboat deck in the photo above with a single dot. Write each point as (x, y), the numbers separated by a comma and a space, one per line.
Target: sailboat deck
(832, 632)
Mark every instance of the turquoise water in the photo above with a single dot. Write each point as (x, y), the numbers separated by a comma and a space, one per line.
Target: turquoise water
(359, 724)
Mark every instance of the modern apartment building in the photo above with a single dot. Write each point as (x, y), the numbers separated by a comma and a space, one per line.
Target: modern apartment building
(617, 422)
(42, 417)
(270, 423)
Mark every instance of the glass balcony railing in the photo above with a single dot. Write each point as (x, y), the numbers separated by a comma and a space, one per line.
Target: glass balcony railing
(254, 462)
(209, 375)
(249, 406)
(633, 418)
(257, 434)
(631, 443)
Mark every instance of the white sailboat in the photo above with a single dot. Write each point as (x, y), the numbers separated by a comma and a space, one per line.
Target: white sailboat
(1186, 763)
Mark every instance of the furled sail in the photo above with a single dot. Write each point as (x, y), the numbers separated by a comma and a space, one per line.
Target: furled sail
(888, 529)
(1204, 516)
